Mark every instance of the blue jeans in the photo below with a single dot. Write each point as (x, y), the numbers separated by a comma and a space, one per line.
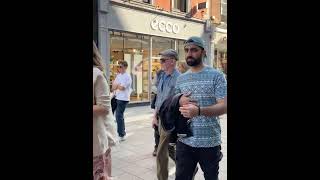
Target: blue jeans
(121, 106)
(188, 157)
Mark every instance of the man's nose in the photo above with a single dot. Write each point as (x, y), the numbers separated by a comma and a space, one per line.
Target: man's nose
(188, 53)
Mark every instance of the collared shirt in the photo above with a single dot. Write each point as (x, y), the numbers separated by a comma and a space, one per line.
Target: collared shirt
(206, 87)
(166, 87)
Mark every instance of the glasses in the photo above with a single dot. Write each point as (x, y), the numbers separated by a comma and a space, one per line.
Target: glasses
(163, 60)
(192, 50)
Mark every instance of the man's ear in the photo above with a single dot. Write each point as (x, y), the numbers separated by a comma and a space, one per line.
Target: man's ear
(204, 52)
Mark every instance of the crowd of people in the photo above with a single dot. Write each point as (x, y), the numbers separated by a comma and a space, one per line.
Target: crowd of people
(188, 99)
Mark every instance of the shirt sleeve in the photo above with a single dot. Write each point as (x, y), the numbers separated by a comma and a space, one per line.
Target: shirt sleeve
(177, 88)
(102, 91)
(220, 87)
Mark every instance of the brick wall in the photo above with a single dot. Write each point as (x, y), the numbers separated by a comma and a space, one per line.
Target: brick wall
(216, 10)
(165, 4)
(215, 6)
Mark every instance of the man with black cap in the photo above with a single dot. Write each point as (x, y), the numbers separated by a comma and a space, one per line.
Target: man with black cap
(165, 88)
(208, 88)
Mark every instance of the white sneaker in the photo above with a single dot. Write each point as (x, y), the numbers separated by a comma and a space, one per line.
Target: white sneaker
(123, 138)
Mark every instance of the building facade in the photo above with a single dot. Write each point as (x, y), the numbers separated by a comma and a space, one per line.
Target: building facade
(219, 16)
(138, 30)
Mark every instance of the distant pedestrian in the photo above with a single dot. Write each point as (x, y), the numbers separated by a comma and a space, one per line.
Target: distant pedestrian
(122, 88)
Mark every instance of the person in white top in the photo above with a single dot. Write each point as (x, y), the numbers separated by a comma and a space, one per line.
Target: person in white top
(122, 88)
(104, 127)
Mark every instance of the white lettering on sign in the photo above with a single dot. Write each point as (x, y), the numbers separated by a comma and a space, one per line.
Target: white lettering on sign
(165, 26)
(162, 26)
(169, 27)
(176, 28)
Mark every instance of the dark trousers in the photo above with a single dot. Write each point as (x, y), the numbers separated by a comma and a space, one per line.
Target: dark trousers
(187, 158)
(121, 106)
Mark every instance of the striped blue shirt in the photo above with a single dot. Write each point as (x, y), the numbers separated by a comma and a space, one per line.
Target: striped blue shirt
(206, 87)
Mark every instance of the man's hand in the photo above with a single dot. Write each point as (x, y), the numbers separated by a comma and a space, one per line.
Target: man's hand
(154, 121)
(185, 99)
(189, 110)
(114, 86)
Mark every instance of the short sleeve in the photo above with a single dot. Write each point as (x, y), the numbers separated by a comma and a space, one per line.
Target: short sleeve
(220, 86)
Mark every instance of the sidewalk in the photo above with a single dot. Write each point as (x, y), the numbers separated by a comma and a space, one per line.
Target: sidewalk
(133, 160)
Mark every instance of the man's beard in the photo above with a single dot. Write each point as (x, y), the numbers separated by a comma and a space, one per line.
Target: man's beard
(193, 62)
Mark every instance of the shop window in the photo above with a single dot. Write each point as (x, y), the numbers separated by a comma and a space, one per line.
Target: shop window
(159, 44)
(215, 64)
(180, 5)
(221, 61)
(134, 49)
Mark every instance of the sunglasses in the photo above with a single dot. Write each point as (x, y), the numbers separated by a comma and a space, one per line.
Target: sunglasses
(163, 60)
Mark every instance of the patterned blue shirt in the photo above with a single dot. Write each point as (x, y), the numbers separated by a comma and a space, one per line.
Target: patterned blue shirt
(206, 87)
(166, 87)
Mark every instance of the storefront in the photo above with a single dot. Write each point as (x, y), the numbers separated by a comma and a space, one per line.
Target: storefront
(141, 53)
(137, 36)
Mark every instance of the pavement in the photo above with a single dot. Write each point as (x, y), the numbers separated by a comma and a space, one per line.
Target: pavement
(132, 159)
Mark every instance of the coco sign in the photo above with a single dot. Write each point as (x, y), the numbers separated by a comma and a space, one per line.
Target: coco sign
(165, 26)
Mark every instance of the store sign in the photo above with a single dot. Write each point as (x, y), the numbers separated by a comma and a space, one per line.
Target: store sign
(165, 26)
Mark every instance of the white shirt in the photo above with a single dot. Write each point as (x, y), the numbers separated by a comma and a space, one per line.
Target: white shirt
(104, 127)
(125, 81)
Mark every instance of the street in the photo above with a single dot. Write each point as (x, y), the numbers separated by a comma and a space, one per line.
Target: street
(132, 159)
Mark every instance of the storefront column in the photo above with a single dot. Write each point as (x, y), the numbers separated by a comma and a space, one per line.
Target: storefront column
(209, 59)
(175, 45)
(103, 34)
(212, 57)
(150, 68)
(95, 21)
(208, 36)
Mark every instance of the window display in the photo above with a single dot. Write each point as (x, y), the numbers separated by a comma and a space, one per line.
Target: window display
(135, 50)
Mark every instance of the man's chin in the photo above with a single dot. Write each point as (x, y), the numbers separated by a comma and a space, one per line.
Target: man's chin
(190, 61)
